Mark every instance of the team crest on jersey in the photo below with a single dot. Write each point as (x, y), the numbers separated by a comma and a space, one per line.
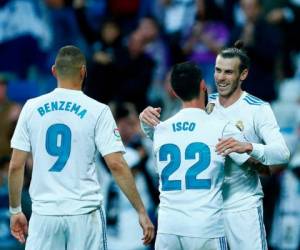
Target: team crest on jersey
(209, 107)
(240, 125)
(117, 134)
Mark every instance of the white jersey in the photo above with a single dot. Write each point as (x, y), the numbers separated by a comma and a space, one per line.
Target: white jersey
(64, 129)
(191, 173)
(242, 189)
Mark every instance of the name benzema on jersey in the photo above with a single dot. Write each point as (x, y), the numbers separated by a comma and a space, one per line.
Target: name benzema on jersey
(62, 106)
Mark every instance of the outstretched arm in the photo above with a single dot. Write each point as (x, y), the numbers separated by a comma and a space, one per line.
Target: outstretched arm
(124, 179)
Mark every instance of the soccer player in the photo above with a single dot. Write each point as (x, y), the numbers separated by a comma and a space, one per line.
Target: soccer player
(242, 191)
(64, 129)
(190, 171)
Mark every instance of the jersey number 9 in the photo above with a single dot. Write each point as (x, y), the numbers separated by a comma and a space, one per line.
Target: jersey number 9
(58, 143)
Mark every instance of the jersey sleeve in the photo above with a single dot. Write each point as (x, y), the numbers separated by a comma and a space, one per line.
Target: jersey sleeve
(21, 138)
(147, 130)
(107, 136)
(274, 149)
(232, 131)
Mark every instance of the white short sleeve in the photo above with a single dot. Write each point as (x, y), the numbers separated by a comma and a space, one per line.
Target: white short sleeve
(107, 136)
(20, 139)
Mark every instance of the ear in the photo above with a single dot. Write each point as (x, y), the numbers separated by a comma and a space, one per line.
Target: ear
(53, 70)
(173, 93)
(83, 71)
(244, 74)
(203, 87)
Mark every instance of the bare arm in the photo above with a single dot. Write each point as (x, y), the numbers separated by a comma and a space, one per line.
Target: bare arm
(149, 118)
(124, 178)
(18, 222)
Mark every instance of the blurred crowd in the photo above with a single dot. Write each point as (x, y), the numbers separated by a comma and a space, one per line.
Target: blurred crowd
(131, 46)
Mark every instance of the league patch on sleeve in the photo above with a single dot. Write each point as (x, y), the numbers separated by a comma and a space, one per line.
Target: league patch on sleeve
(117, 134)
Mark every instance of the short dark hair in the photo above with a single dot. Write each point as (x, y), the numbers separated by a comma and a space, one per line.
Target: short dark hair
(68, 61)
(185, 80)
(237, 51)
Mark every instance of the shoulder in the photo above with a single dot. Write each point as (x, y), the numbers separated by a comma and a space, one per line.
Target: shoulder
(36, 101)
(94, 103)
(251, 100)
(163, 125)
(257, 108)
(213, 97)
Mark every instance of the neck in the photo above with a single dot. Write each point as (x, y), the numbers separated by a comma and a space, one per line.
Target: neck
(195, 103)
(69, 84)
(226, 101)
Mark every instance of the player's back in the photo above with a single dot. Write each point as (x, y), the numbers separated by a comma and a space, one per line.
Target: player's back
(62, 128)
(191, 174)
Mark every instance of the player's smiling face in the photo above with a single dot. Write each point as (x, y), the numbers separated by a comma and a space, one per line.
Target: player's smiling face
(227, 76)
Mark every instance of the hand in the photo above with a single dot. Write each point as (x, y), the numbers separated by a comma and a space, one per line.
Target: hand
(248, 34)
(78, 3)
(150, 116)
(19, 227)
(229, 145)
(275, 16)
(102, 57)
(148, 228)
(198, 29)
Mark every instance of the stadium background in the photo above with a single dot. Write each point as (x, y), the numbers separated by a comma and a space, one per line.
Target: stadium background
(130, 46)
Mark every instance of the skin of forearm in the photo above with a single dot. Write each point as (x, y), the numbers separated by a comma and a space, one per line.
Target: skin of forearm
(126, 182)
(15, 185)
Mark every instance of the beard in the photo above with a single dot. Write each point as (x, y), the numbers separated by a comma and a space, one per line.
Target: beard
(227, 89)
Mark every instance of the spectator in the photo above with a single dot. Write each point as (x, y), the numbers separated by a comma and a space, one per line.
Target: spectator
(9, 112)
(107, 50)
(157, 50)
(262, 42)
(208, 36)
(135, 71)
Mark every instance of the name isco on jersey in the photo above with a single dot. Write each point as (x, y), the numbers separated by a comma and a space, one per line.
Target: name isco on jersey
(183, 126)
(63, 106)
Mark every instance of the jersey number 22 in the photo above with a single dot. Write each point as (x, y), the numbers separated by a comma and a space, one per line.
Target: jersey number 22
(191, 174)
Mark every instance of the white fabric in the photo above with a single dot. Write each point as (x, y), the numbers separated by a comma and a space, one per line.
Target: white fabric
(63, 130)
(245, 229)
(242, 189)
(188, 210)
(76, 232)
(174, 242)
